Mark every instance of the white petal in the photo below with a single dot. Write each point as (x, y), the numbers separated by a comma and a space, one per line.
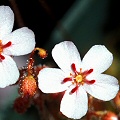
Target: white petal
(49, 80)
(6, 20)
(23, 42)
(8, 72)
(66, 53)
(105, 88)
(74, 105)
(98, 58)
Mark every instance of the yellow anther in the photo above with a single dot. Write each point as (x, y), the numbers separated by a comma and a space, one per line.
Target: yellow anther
(79, 78)
(42, 52)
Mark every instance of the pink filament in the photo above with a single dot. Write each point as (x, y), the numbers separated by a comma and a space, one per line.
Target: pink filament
(74, 89)
(73, 67)
(2, 57)
(66, 80)
(7, 44)
(90, 82)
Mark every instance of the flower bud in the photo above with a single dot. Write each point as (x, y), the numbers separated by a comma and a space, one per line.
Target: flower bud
(21, 104)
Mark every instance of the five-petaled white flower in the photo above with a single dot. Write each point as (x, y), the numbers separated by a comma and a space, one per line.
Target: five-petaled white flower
(79, 77)
(18, 42)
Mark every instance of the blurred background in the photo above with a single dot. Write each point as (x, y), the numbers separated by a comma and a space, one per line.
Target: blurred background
(85, 22)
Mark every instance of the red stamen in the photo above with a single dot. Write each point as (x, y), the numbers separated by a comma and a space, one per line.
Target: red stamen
(66, 80)
(73, 67)
(90, 82)
(2, 57)
(74, 89)
(89, 71)
(7, 44)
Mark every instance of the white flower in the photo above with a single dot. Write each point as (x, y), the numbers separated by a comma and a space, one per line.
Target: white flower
(18, 42)
(79, 77)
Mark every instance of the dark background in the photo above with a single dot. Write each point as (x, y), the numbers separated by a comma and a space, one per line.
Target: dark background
(39, 15)
(43, 15)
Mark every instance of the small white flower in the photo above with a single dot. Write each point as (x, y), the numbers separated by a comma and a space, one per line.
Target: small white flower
(18, 42)
(79, 77)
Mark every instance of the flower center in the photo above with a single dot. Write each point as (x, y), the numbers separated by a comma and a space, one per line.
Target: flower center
(78, 78)
(2, 47)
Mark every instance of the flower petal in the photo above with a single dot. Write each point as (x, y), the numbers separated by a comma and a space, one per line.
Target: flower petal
(105, 88)
(50, 80)
(98, 58)
(66, 53)
(74, 105)
(6, 20)
(23, 42)
(8, 72)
